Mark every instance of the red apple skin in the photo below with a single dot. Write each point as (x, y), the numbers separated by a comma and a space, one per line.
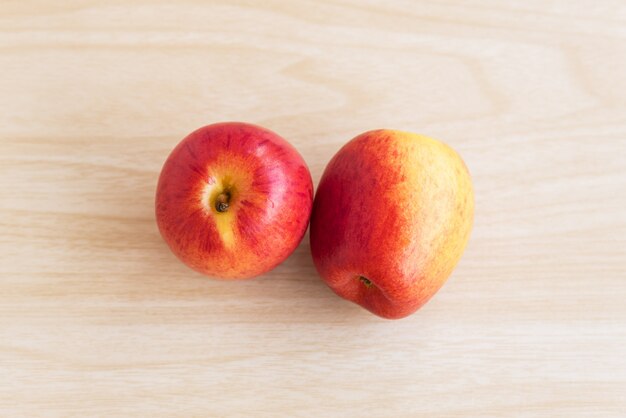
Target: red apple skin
(266, 184)
(392, 215)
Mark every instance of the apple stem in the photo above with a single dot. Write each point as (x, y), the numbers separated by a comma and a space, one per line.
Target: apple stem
(367, 282)
(221, 204)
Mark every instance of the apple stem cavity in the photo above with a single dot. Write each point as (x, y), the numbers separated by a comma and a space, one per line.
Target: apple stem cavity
(367, 282)
(221, 203)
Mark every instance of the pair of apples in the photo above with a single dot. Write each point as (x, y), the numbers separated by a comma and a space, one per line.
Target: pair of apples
(389, 222)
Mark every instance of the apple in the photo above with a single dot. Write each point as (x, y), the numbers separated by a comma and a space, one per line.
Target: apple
(391, 218)
(233, 200)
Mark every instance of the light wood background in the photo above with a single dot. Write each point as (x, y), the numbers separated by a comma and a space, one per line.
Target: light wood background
(98, 318)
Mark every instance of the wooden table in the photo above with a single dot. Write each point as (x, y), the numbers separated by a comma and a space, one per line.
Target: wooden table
(98, 318)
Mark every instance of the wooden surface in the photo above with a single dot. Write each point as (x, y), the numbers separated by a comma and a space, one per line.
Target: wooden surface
(98, 318)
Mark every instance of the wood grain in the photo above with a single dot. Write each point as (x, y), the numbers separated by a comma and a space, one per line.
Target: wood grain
(97, 317)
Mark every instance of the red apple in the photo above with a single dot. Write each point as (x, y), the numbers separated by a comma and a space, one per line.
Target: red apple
(233, 200)
(391, 218)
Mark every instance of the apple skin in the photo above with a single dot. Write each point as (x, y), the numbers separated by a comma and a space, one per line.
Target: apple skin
(263, 180)
(392, 215)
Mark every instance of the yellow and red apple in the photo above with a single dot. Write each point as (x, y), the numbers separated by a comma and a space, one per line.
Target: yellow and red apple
(391, 218)
(233, 200)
